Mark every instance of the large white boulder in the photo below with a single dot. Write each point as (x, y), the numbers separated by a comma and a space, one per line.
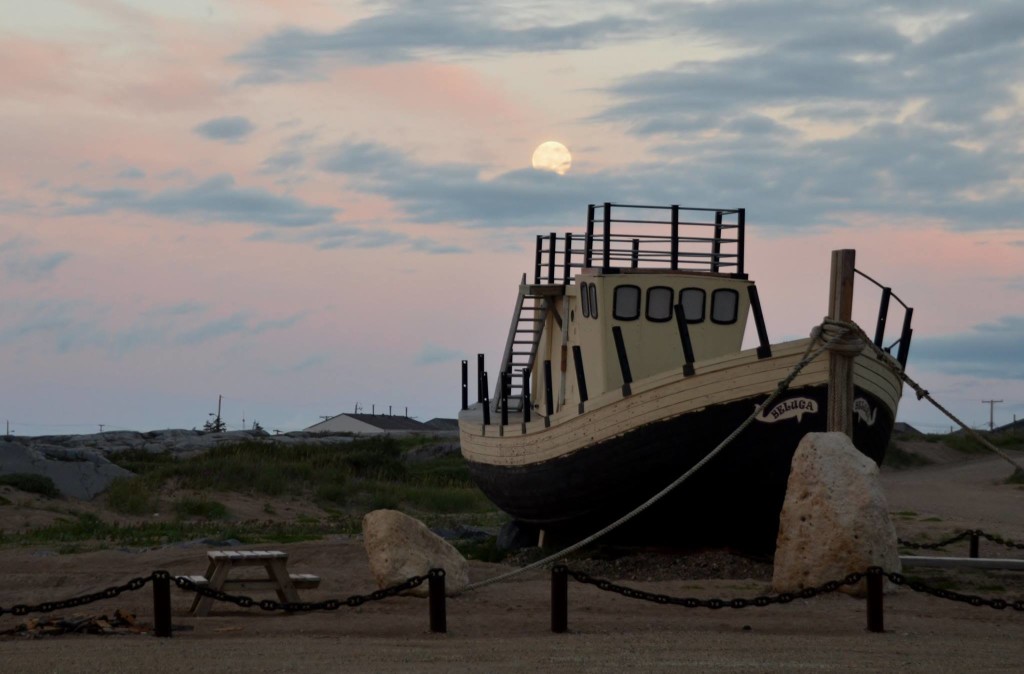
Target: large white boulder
(835, 519)
(400, 547)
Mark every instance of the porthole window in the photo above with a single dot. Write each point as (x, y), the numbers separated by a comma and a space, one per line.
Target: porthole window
(692, 300)
(724, 305)
(659, 304)
(585, 299)
(593, 300)
(627, 303)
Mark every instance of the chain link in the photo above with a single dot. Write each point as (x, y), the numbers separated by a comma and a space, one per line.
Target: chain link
(299, 607)
(787, 597)
(74, 602)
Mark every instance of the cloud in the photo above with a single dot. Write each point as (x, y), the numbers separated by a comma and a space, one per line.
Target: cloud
(431, 354)
(283, 161)
(992, 350)
(239, 322)
(21, 263)
(131, 173)
(217, 199)
(231, 129)
(406, 30)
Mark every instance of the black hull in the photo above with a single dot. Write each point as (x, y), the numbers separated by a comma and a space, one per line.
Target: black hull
(733, 500)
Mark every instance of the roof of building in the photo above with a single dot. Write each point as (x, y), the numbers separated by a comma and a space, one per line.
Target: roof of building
(387, 422)
(443, 424)
(905, 428)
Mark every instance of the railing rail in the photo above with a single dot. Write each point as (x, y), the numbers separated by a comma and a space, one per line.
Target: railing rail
(690, 239)
(883, 315)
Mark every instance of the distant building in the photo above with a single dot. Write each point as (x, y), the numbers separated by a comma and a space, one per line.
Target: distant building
(1016, 426)
(441, 424)
(371, 424)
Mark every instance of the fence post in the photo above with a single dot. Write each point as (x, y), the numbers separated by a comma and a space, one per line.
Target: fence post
(559, 599)
(875, 615)
(974, 544)
(438, 616)
(161, 604)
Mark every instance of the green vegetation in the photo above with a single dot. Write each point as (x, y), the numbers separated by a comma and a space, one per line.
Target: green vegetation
(966, 443)
(131, 496)
(33, 484)
(897, 457)
(190, 508)
(4, 501)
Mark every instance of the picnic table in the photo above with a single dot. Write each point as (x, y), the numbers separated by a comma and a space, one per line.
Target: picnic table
(275, 562)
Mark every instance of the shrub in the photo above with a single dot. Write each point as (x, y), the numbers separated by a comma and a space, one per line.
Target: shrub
(31, 483)
(131, 496)
(200, 508)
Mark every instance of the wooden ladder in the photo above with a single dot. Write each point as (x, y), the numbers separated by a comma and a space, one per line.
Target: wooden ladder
(521, 346)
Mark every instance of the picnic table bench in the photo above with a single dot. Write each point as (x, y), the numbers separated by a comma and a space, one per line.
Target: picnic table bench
(275, 562)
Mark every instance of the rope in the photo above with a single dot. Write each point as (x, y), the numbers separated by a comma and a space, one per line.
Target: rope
(923, 394)
(783, 385)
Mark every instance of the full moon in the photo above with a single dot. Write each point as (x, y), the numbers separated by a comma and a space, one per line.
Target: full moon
(552, 156)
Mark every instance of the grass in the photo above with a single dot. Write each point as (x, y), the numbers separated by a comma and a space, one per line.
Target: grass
(131, 496)
(964, 442)
(201, 508)
(33, 484)
(897, 457)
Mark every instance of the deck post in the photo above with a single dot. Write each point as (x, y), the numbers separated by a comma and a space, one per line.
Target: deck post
(684, 337)
(581, 378)
(465, 385)
(741, 224)
(567, 260)
(486, 403)
(588, 243)
(527, 403)
(675, 236)
(620, 350)
(904, 351)
(606, 265)
(480, 378)
(552, 243)
(765, 348)
(840, 363)
(634, 257)
(883, 314)
(549, 406)
(538, 259)
(504, 398)
(716, 245)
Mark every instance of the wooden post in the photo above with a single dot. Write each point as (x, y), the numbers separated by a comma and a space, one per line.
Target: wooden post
(438, 614)
(162, 606)
(876, 617)
(559, 599)
(840, 365)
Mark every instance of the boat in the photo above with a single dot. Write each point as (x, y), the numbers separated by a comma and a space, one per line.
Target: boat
(624, 366)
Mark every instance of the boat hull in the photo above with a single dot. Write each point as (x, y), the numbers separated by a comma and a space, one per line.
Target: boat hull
(735, 499)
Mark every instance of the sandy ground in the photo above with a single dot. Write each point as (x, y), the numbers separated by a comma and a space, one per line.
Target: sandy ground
(506, 627)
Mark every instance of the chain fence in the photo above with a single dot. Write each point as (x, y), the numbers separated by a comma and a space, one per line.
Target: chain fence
(74, 602)
(966, 533)
(787, 597)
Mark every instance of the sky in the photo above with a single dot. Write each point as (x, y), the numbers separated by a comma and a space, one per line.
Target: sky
(305, 207)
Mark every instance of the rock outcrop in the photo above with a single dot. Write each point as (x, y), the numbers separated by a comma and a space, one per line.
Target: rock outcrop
(835, 519)
(79, 473)
(400, 547)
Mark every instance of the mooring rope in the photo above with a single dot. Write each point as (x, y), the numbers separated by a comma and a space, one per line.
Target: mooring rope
(834, 338)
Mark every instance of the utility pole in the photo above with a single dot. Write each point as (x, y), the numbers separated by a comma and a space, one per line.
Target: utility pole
(991, 407)
(101, 427)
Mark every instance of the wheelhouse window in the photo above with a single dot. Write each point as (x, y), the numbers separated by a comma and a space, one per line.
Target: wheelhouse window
(627, 303)
(659, 304)
(724, 305)
(593, 300)
(692, 300)
(585, 299)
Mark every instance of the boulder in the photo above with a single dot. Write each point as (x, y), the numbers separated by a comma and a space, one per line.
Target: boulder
(80, 473)
(400, 547)
(835, 518)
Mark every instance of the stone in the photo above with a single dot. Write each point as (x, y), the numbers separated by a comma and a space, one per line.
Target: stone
(835, 518)
(400, 547)
(80, 473)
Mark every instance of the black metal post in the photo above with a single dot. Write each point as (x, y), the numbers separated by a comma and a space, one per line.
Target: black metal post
(480, 377)
(765, 348)
(588, 244)
(606, 258)
(503, 377)
(883, 314)
(875, 613)
(567, 261)
(549, 402)
(634, 257)
(465, 385)
(527, 403)
(538, 259)
(161, 604)
(486, 402)
(581, 379)
(716, 245)
(974, 545)
(438, 614)
(552, 242)
(675, 236)
(559, 599)
(620, 349)
(905, 338)
(684, 337)
(740, 230)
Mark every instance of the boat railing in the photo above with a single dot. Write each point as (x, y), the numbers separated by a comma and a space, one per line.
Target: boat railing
(883, 315)
(621, 236)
